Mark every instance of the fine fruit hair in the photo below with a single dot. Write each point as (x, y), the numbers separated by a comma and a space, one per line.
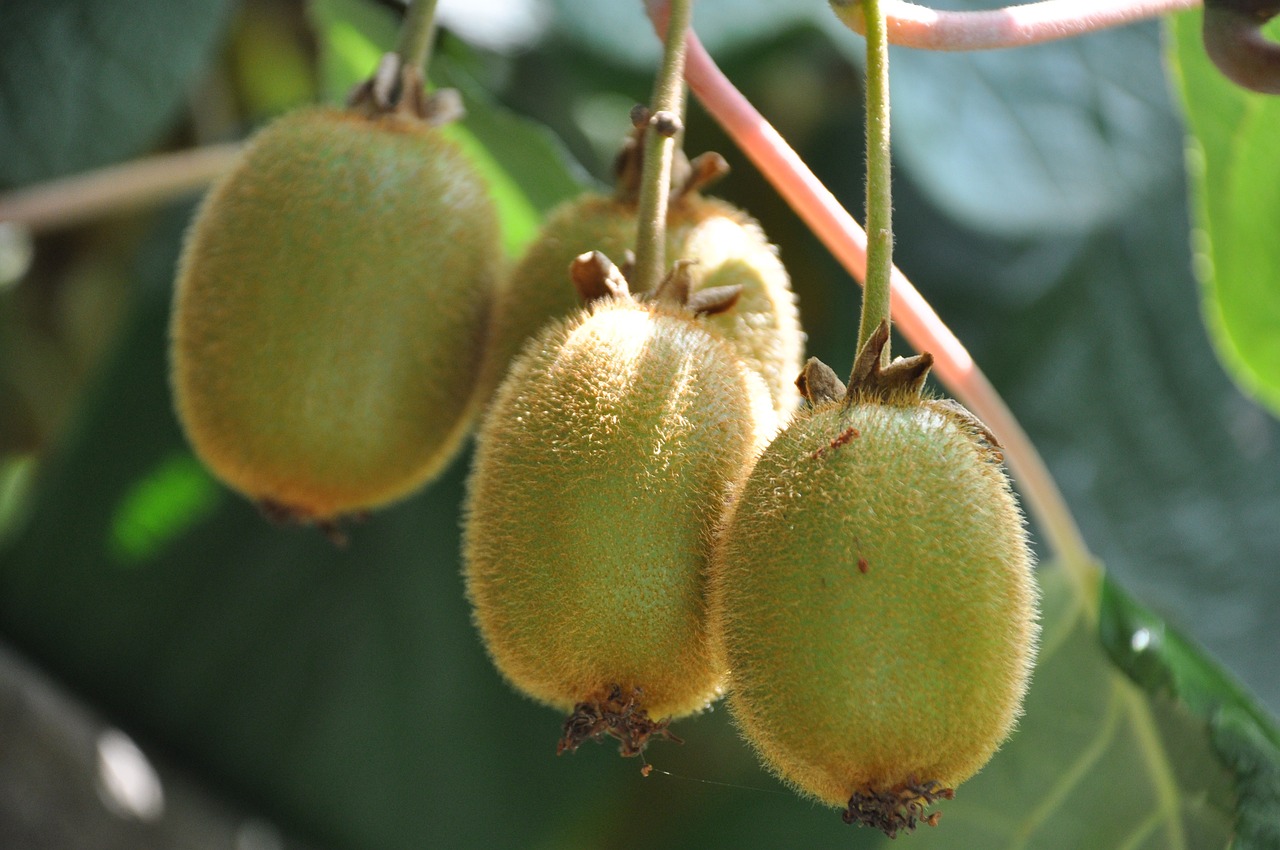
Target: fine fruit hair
(873, 595)
(602, 469)
(331, 307)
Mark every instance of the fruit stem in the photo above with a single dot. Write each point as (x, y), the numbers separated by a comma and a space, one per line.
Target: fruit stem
(875, 293)
(417, 32)
(664, 130)
(835, 228)
(911, 25)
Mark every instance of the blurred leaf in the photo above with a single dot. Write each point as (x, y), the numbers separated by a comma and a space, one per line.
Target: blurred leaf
(352, 35)
(527, 169)
(90, 82)
(1236, 175)
(619, 31)
(1060, 137)
(1244, 738)
(270, 59)
(178, 494)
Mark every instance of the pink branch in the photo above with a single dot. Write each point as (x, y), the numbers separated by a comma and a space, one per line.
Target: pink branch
(1033, 23)
(917, 321)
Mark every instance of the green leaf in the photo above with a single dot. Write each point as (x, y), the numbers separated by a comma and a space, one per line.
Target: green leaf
(1244, 738)
(1236, 176)
(527, 169)
(351, 37)
(1061, 137)
(619, 31)
(84, 83)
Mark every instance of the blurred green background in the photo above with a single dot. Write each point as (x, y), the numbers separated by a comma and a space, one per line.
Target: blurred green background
(342, 695)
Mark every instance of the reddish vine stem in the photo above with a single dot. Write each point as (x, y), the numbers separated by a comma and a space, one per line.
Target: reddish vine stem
(910, 25)
(917, 321)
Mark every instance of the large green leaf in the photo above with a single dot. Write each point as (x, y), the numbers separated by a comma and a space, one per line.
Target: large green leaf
(87, 82)
(619, 31)
(1236, 174)
(1060, 137)
(1244, 739)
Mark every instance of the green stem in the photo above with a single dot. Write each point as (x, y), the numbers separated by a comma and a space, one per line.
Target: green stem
(417, 32)
(875, 296)
(659, 153)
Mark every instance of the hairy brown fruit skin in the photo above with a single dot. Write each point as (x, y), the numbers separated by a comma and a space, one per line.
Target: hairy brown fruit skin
(728, 248)
(874, 596)
(603, 467)
(331, 309)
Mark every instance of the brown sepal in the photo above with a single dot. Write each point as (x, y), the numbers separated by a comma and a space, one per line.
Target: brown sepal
(676, 286)
(818, 383)
(594, 277)
(871, 379)
(399, 89)
(704, 169)
(688, 177)
(714, 299)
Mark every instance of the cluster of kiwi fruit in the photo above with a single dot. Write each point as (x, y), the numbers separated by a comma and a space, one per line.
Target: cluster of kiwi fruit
(665, 503)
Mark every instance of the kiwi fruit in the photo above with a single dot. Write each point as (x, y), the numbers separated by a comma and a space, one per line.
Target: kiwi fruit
(602, 469)
(872, 594)
(724, 246)
(331, 308)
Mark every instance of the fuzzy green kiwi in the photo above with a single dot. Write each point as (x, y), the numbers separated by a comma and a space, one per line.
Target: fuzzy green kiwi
(872, 594)
(332, 302)
(602, 468)
(725, 246)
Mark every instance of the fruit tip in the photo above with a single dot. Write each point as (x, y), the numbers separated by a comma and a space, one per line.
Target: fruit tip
(614, 716)
(898, 809)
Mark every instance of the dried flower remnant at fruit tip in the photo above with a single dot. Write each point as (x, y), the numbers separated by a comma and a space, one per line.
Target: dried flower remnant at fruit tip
(617, 718)
(898, 809)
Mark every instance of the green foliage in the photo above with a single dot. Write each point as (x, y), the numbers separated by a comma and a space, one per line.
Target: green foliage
(1244, 739)
(89, 82)
(1082, 129)
(1237, 188)
(344, 693)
